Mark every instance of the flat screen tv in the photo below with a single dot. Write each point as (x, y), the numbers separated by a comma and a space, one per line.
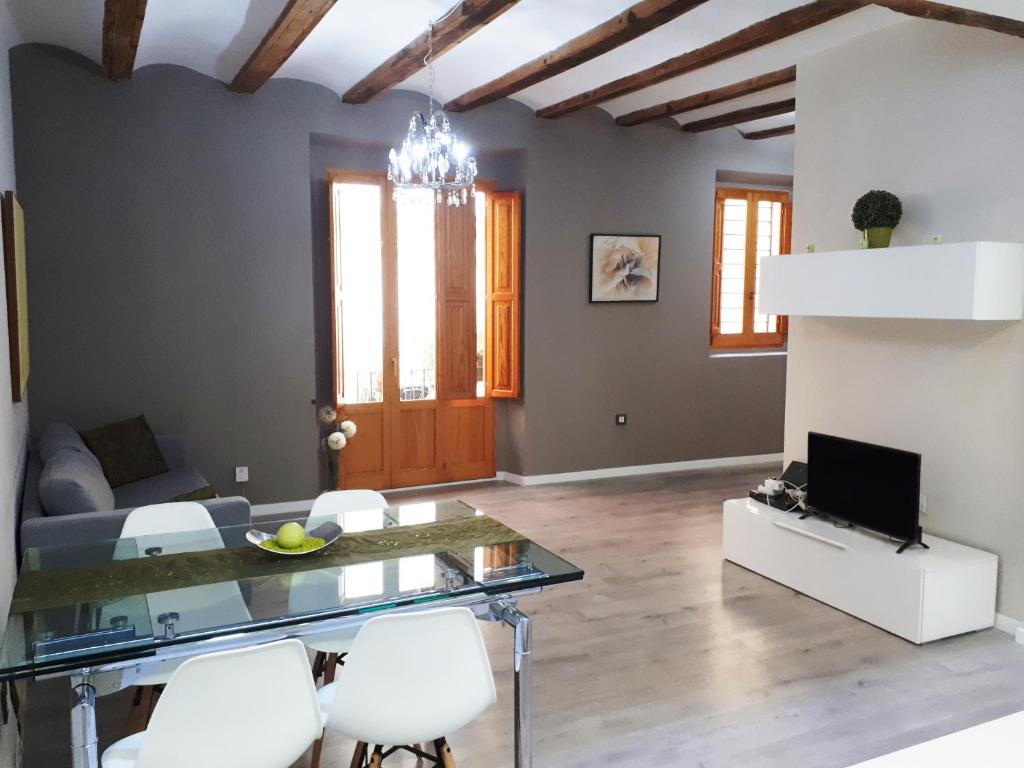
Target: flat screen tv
(870, 486)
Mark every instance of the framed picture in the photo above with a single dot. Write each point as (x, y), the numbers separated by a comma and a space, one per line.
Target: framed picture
(17, 292)
(624, 268)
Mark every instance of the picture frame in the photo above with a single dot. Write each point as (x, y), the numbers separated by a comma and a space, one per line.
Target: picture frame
(624, 268)
(17, 292)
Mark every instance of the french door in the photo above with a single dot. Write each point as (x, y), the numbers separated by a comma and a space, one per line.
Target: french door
(409, 284)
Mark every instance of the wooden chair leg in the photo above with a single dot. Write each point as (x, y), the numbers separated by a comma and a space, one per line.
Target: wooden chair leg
(377, 757)
(359, 755)
(330, 668)
(138, 716)
(444, 753)
(318, 747)
(318, 665)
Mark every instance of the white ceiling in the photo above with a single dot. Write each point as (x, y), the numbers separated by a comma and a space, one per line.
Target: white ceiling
(216, 36)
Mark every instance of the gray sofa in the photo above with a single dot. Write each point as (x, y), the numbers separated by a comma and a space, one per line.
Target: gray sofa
(75, 504)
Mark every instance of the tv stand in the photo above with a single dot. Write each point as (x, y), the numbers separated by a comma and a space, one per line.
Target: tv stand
(910, 543)
(939, 590)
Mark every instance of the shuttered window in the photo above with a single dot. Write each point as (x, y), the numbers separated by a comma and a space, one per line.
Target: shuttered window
(749, 225)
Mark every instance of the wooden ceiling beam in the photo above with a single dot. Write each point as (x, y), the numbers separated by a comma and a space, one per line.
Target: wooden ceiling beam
(465, 19)
(926, 9)
(709, 98)
(628, 25)
(762, 33)
(122, 27)
(741, 116)
(770, 133)
(296, 21)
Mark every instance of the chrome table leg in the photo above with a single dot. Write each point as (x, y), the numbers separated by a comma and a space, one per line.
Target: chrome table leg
(84, 749)
(507, 612)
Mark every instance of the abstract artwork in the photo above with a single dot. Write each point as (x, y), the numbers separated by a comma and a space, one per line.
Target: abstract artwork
(624, 268)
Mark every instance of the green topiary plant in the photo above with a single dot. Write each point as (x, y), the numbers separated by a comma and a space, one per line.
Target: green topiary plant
(877, 209)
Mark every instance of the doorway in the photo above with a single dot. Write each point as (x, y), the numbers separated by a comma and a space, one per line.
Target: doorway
(410, 343)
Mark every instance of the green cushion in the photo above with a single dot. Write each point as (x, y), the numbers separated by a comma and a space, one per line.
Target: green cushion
(126, 450)
(199, 494)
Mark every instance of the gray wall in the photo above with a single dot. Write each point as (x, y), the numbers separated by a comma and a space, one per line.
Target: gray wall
(174, 240)
(13, 416)
(950, 390)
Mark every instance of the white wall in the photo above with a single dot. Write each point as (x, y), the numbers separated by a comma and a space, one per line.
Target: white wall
(935, 114)
(13, 416)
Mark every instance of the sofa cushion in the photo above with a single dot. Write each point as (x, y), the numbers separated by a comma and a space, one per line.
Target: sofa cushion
(199, 494)
(127, 450)
(72, 482)
(159, 488)
(59, 435)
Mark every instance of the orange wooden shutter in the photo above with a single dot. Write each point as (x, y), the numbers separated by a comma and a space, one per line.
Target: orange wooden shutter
(455, 236)
(716, 266)
(502, 342)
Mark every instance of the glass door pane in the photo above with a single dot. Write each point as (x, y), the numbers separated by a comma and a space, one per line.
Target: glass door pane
(417, 295)
(359, 291)
(769, 242)
(734, 254)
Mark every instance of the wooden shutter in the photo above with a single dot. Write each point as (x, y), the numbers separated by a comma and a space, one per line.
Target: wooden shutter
(502, 343)
(455, 238)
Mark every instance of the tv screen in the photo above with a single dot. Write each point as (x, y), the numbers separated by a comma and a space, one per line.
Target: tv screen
(868, 485)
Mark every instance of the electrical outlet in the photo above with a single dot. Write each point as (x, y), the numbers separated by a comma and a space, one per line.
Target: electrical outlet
(241, 474)
(620, 419)
(924, 505)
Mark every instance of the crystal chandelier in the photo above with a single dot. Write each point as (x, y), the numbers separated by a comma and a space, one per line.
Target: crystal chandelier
(432, 156)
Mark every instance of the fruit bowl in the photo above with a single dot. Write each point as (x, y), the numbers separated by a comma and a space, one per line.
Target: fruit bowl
(327, 532)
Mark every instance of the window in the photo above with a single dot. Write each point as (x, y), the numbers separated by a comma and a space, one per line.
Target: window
(358, 292)
(749, 225)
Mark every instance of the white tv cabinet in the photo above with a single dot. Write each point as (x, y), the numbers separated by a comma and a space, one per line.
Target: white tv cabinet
(920, 595)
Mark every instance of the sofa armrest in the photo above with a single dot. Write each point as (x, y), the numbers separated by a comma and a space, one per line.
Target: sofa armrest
(174, 449)
(229, 512)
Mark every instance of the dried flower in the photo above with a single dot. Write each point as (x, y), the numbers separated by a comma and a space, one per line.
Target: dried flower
(327, 414)
(336, 441)
(348, 428)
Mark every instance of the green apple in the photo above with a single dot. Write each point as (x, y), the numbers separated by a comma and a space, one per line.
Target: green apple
(291, 535)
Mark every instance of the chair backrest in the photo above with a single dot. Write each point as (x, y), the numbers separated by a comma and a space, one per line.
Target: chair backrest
(172, 527)
(172, 517)
(339, 502)
(412, 678)
(247, 708)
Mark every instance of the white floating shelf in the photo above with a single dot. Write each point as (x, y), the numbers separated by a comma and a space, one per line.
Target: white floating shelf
(957, 281)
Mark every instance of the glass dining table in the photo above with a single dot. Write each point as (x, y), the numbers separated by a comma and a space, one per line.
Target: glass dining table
(107, 613)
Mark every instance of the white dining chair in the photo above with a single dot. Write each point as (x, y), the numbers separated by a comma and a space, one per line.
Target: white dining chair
(171, 517)
(330, 647)
(167, 529)
(409, 679)
(250, 707)
(333, 503)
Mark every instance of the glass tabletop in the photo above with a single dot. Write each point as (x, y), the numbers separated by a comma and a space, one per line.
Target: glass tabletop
(84, 605)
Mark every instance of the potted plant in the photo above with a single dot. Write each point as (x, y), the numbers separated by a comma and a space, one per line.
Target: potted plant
(876, 214)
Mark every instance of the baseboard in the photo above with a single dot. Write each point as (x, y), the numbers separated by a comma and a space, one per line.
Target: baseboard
(452, 484)
(640, 469)
(1010, 626)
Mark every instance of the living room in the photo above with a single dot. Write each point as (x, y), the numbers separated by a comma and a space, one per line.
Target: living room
(191, 250)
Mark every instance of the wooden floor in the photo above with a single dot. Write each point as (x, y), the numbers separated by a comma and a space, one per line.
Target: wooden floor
(666, 656)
